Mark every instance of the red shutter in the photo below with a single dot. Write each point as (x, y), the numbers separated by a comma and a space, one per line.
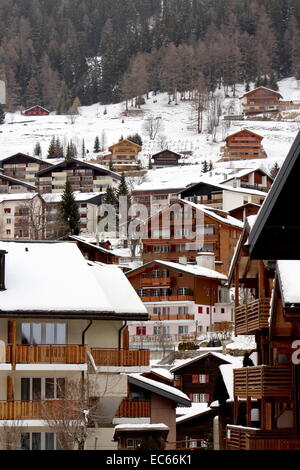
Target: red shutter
(200, 310)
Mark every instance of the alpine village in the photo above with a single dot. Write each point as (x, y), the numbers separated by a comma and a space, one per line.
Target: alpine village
(149, 231)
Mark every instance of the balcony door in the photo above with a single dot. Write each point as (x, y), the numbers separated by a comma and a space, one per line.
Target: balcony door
(44, 333)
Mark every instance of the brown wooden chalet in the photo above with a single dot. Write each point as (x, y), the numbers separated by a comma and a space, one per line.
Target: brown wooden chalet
(153, 400)
(260, 100)
(94, 252)
(244, 211)
(23, 167)
(242, 145)
(175, 282)
(123, 156)
(220, 235)
(36, 111)
(13, 185)
(83, 176)
(165, 158)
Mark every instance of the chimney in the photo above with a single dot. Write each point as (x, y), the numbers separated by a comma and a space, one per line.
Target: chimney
(182, 260)
(2, 269)
(206, 259)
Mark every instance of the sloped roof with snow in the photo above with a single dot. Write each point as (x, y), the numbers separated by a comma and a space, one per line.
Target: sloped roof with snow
(261, 87)
(79, 196)
(17, 196)
(54, 279)
(288, 272)
(196, 409)
(160, 388)
(224, 357)
(208, 211)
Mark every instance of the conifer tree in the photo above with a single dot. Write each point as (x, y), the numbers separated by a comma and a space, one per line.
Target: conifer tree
(111, 197)
(51, 149)
(121, 138)
(37, 149)
(205, 166)
(2, 115)
(83, 151)
(97, 144)
(69, 209)
(274, 170)
(273, 82)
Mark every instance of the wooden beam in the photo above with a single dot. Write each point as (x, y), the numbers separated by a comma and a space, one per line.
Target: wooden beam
(10, 393)
(261, 280)
(236, 286)
(248, 411)
(12, 340)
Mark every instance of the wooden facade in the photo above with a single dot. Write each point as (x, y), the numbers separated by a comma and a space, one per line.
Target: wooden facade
(93, 252)
(165, 158)
(219, 236)
(36, 111)
(23, 167)
(242, 145)
(260, 100)
(83, 176)
(123, 156)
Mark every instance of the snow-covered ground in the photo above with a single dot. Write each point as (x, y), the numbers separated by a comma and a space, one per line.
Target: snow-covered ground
(20, 133)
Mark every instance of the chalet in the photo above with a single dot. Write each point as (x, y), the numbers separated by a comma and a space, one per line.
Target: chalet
(93, 252)
(222, 196)
(60, 319)
(22, 216)
(123, 156)
(182, 230)
(260, 100)
(83, 176)
(23, 167)
(155, 199)
(182, 300)
(244, 211)
(242, 145)
(36, 111)
(149, 402)
(165, 158)
(9, 185)
(88, 207)
(249, 178)
(141, 436)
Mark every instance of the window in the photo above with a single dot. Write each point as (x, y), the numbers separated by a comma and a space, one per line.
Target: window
(200, 378)
(222, 310)
(184, 291)
(44, 333)
(200, 309)
(37, 389)
(207, 310)
(7, 211)
(183, 310)
(133, 443)
(199, 397)
(183, 329)
(8, 232)
(38, 441)
(141, 330)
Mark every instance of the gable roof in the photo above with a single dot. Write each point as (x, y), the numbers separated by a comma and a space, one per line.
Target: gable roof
(288, 273)
(29, 157)
(36, 106)
(245, 172)
(225, 359)
(166, 150)
(125, 140)
(78, 239)
(166, 391)
(243, 130)
(276, 232)
(18, 182)
(224, 187)
(261, 87)
(53, 280)
(93, 166)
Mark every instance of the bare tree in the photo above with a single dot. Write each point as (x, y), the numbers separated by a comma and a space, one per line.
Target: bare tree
(213, 115)
(152, 126)
(11, 436)
(30, 220)
(199, 102)
(73, 111)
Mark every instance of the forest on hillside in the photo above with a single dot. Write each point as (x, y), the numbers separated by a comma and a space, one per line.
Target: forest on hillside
(55, 51)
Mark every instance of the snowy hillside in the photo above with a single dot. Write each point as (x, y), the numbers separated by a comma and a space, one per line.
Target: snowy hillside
(20, 133)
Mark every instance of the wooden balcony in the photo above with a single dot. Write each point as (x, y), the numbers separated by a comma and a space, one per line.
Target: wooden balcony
(166, 298)
(159, 281)
(121, 357)
(263, 382)
(252, 317)
(171, 317)
(189, 444)
(27, 409)
(49, 354)
(134, 409)
(243, 438)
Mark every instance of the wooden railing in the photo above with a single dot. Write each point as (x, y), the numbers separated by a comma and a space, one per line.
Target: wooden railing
(252, 317)
(169, 298)
(27, 409)
(121, 357)
(263, 381)
(159, 281)
(243, 438)
(134, 409)
(171, 317)
(190, 444)
(49, 354)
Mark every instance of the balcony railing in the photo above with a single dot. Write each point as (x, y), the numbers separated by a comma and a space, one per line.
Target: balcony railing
(190, 444)
(134, 409)
(170, 298)
(121, 357)
(172, 317)
(263, 382)
(49, 354)
(252, 317)
(243, 438)
(28, 409)
(159, 281)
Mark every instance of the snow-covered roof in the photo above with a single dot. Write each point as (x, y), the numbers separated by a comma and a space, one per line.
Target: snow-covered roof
(225, 187)
(187, 413)
(229, 220)
(79, 197)
(54, 278)
(161, 388)
(227, 374)
(261, 87)
(17, 196)
(184, 362)
(241, 173)
(193, 269)
(289, 274)
(142, 427)
(165, 373)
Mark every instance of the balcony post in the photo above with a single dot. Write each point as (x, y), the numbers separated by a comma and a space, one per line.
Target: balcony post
(12, 339)
(261, 280)
(248, 407)
(236, 286)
